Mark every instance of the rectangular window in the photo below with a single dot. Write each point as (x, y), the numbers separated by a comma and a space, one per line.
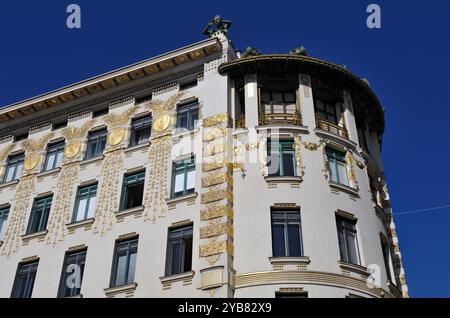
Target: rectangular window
(14, 168)
(60, 125)
(337, 166)
(291, 295)
(132, 190)
(348, 242)
(3, 218)
(179, 250)
(187, 116)
(278, 102)
(183, 177)
(188, 85)
(282, 158)
(140, 130)
(21, 137)
(96, 143)
(100, 112)
(55, 155)
(143, 99)
(85, 203)
(72, 274)
(124, 264)
(386, 257)
(39, 215)
(326, 111)
(24, 281)
(286, 234)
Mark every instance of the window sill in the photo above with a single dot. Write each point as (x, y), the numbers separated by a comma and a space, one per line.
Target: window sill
(137, 147)
(125, 289)
(91, 160)
(301, 262)
(284, 127)
(49, 172)
(188, 198)
(283, 179)
(10, 183)
(33, 236)
(76, 296)
(354, 268)
(79, 224)
(324, 133)
(186, 278)
(136, 211)
(344, 188)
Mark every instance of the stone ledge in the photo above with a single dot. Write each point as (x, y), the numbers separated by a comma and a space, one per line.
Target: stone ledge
(354, 268)
(87, 223)
(344, 188)
(283, 179)
(340, 139)
(49, 172)
(301, 262)
(136, 211)
(8, 184)
(186, 278)
(125, 289)
(33, 236)
(92, 160)
(188, 198)
(137, 147)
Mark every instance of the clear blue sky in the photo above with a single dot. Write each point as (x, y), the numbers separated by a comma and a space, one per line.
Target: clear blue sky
(407, 63)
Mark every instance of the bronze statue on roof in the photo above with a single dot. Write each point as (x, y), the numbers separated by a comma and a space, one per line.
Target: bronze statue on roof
(217, 24)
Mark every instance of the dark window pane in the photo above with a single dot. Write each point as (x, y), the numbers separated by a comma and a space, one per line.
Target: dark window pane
(175, 257)
(124, 263)
(179, 251)
(288, 164)
(279, 245)
(24, 281)
(187, 254)
(294, 240)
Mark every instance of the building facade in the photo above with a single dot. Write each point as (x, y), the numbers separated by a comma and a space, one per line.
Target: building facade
(202, 172)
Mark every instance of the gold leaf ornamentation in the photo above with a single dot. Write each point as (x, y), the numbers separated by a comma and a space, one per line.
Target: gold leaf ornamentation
(116, 136)
(159, 107)
(31, 145)
(73, 132)
(6, 151)
(116, 120)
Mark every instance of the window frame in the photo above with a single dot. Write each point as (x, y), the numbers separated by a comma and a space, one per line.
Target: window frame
(333, 159)
(282, 150)
(286, 222)
(281, 294)
(146, 122)
(186, 165)
(96, 138)
(80, 259)
(139, 179)
(347, 225)
(186, 232)
(78, 199)
(132, 245)
(30, 271)
(191, 109)
(4, 214)
(44, 203)
(14, 161)
(285, 101)
(54, 149)
(331, 117)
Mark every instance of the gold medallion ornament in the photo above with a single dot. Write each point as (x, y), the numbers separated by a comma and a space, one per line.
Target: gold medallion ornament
(31, 161)
(116, 136)
(72, 149)
(162, 123)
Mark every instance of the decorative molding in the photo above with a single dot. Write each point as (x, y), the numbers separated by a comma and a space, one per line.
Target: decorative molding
(216, 211)
(215, 120)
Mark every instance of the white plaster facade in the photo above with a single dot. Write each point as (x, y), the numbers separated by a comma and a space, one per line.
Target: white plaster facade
(243, 266)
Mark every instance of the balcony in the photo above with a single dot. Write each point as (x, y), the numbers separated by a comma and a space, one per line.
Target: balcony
(293, 118)
(332, 128)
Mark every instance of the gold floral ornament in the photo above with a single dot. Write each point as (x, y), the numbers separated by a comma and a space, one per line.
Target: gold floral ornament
(159, 107)
(162, 123)
(32, 147)
(72, 149)
(116, 136)
(73, 132)
(31, 161)
(117, 120)
(6, 151)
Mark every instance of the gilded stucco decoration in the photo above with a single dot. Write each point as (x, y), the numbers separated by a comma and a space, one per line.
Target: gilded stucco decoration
(108, 194)
(117, 120)
(6, 151)
(159, 107)
(263, 158)
(351, 169)
(33, 148)
(61, 214)
(74, 135)
(157, 183)
(17, 218)
(325, 170)
(311, 146)
(298, 155)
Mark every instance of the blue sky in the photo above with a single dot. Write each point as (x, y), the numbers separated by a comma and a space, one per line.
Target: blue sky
(406, 62)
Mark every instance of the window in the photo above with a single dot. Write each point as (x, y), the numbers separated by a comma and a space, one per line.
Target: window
(39, 215)
(291, 295)
(3, 218)
(55, 155)
(282, 158)
(100, 112)
(187, 116)
(72, 274)
(96, 143)
(132, 190)
(278, 102)
(140, 130)
(124, 264)
(85, 203)
(24, 281)
(143, 99)
(60, 125)
(183, 177)
(326, 111)
(348, 243)
(386, 257)
(337, 166)
(286, 234)
(21, 137)
(14, 168)
(179, 250)
(188, 85)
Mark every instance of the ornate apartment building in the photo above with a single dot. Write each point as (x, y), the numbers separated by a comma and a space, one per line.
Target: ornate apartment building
(202, 172)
